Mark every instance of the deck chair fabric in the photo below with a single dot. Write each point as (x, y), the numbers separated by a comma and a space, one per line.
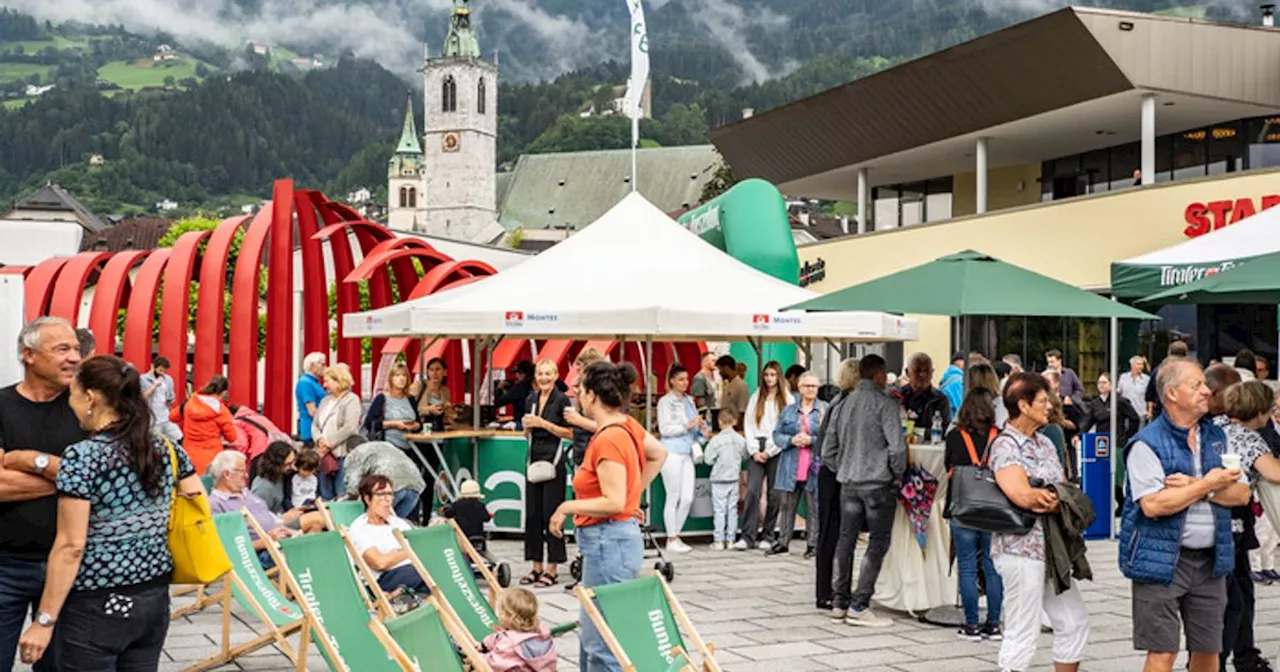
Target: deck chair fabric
(344, 512)
(420, 640)
(319, 572)
(640, 618)
(447, 570)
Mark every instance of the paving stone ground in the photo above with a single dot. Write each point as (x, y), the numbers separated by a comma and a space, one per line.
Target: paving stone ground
(759, 614)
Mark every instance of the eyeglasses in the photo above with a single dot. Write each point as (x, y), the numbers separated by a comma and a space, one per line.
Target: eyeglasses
(385, 494)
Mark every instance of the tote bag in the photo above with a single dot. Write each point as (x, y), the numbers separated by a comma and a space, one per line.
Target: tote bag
(978, 503)
(198, 556)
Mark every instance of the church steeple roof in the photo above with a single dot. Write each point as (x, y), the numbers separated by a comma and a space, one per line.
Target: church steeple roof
(461, 41)
(409, 135)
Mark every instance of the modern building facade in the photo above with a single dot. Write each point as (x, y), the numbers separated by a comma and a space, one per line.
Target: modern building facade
(1062, 144)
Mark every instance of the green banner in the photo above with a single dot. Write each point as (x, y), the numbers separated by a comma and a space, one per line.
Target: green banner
(1135, 281)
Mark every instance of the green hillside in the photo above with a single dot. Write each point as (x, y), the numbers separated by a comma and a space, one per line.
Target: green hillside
(145, 73)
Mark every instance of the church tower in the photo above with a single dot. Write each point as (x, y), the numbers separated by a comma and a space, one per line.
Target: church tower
(405, 197)
(460, 135)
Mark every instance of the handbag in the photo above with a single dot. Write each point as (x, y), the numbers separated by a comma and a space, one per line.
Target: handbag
(541, 471)
(978, 503)
(198, 555)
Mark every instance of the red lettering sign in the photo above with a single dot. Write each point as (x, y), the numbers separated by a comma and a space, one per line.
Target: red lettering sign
(1201, 218)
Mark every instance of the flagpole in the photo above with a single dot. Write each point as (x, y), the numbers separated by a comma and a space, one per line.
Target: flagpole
(635, 143)
(637, 81)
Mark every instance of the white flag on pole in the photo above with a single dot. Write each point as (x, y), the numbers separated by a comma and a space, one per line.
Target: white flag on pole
(639, 60)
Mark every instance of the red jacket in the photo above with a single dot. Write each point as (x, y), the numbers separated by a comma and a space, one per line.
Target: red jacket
(206, 423)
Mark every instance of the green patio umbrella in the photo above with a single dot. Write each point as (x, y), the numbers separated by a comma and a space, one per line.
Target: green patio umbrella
(1254, 280)
(971, 283)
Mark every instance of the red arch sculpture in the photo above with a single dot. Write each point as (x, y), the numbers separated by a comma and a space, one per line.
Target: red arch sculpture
(315, 305)
(277, 399)
(175, 303)
(71, 282)
(38, 287)
(210, 304)
(142, 310)
(109, 297)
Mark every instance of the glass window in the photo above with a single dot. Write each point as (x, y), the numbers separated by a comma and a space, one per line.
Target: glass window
(1164, 158)
(1125, 161)
(1097, 171)
(1264, 142)
(912, 200)
(1190, 149)
(886, 216)
(1226, 148)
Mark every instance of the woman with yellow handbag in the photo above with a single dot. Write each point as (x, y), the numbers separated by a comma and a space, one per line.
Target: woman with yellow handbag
(106, 594)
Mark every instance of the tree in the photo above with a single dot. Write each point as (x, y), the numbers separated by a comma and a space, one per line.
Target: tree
(202, 70)
(722, 181)
(169, 82)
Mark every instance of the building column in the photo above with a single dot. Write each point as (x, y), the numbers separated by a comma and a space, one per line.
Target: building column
(981, 154)
(1148, 138)
(864, 195)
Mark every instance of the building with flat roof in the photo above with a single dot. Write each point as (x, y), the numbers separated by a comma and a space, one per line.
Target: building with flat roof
(1062, 144)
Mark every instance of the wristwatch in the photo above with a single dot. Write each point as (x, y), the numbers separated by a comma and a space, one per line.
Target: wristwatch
(41, 463)
(45, 620)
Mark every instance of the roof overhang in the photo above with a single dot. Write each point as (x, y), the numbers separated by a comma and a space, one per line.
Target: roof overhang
(1035, 79)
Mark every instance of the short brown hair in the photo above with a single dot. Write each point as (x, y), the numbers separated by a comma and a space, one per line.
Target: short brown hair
(728, 418)
(519, 608)
(1248, 400)
(307, 459)
(587, 357)
(1178, 349)
(1054, 353)
(369, 484)
(1023, 386)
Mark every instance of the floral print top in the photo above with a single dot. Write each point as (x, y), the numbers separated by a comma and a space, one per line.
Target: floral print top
(1037, 456)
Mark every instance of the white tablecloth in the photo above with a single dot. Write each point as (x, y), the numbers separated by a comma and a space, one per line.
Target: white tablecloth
(911, 580)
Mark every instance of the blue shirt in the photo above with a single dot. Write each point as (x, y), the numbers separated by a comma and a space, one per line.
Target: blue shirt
(127, 542)
(310, 390)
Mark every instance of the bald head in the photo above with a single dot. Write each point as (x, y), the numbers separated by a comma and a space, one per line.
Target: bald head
(1218, 378)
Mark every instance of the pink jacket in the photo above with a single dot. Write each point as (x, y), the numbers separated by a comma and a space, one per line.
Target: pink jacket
(511, 651)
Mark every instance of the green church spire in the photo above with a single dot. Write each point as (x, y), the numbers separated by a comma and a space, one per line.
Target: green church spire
(409, 135)
(461, 41)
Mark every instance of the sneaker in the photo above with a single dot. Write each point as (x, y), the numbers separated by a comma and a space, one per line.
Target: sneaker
(809, 553)
(740, 545)
(838, 615)
(969, 633)
(677, 546)
(1271, 574)
(777, 549)
(1258, 577)
(866, 618)
(763, 546)
(991, 631)
(824, 606)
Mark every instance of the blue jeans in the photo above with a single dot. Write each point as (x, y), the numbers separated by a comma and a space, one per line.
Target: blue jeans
(973, 547)
(403, 577)
(611, 553)
(21, 584)
(335, 485)
(405, 502)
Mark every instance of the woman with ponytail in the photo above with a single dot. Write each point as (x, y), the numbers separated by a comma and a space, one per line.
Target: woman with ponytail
(107, 586)
(622, 459)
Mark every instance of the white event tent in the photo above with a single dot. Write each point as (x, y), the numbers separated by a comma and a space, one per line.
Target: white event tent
(634, 274)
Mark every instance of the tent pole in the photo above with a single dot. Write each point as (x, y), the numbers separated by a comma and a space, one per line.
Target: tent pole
(1111, 455)
(475, 381)
(648, 382)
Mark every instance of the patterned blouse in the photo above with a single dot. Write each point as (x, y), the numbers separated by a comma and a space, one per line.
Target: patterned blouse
(1037, 456)
(1248, 443)
(127, 542)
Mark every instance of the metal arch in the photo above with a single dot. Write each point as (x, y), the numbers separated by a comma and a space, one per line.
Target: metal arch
(175, 304)
(142, 302)
(210, 304)
(70, 285)
(510, 351)
(690, 354)
(315, 289)
(15, 270)
(438, 278)
(382, 254)
(109, 296)
(242, 360)
(409, 346)
(348, 295)
(38, 287)
(379, 295)
(277, 404)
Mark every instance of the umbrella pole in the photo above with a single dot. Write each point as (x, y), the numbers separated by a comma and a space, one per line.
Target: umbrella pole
(1111, 454)
(648, 382)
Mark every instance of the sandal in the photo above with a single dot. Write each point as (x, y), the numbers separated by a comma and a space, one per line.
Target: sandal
(547, 580)
(531, 578)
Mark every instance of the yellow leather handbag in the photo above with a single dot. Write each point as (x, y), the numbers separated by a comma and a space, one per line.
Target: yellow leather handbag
(198, 556)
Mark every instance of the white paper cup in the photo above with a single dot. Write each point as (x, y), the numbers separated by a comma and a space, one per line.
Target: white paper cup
(1231, 461)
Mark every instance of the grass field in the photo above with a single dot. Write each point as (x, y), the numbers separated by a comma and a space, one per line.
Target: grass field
(143, 73)
(15, 103)
(35, 46)
(12, 71)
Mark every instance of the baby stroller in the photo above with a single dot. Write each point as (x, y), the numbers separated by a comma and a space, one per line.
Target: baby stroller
(662, 566)
(500, 568)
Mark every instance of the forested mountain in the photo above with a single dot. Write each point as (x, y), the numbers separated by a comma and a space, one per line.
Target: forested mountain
(211, 128)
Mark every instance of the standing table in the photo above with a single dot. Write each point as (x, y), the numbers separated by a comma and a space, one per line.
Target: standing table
(912, 580)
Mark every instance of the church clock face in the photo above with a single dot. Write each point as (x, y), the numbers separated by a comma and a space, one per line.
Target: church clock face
(451, 142)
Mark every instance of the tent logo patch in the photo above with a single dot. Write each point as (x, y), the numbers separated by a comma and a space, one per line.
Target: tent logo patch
(514, 318)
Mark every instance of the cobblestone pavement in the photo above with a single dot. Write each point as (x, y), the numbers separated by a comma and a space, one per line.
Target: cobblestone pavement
(759, 614)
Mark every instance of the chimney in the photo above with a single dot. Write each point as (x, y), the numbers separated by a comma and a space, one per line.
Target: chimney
(748, 112)
(1268, 15)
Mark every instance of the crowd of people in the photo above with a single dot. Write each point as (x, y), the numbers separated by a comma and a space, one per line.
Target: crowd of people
(93, 447)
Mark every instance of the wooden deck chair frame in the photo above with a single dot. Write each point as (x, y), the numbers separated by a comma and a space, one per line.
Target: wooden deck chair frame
(478, 560)
(586, 597)
(459, 635)
(379, 600)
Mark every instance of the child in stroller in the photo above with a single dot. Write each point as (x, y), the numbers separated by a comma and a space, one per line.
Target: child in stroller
(471, 514)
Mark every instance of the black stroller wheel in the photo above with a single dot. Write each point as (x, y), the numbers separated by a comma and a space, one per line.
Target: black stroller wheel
(667, 570)
(575, 569)
(503, 574)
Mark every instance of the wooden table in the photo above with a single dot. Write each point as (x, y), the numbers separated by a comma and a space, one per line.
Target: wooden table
(435, 440)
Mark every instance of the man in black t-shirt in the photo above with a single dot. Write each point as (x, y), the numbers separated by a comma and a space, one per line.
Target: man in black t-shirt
(36, 424)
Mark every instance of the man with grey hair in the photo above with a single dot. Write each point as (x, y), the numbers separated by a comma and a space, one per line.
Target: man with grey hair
(1014, 362)
(35, 418)
(1176, 541)
(1133, 386)
(923, 402)
(309, 392)
(230, 474)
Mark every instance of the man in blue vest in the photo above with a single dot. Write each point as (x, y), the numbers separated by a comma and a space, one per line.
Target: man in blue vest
(1175, 536)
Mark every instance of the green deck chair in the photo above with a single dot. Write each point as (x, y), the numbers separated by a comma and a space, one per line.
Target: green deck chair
(423, 639)
(446, 568)
(343, 513)
(641, 621)
(318, 570)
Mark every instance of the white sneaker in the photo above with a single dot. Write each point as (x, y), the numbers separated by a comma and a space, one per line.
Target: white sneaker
(764, 545)
(677, 546)
(739, 545)
(867, 619)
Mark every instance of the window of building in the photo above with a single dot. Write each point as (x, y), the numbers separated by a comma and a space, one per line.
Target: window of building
(404, 197)
(480, 96)
(449, 95)
(1095, 170)
(1226, 148)
(1190, 151)
(413, 197)
(937, 199)
(886, 210)
(911, 204)
(1125, 160)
